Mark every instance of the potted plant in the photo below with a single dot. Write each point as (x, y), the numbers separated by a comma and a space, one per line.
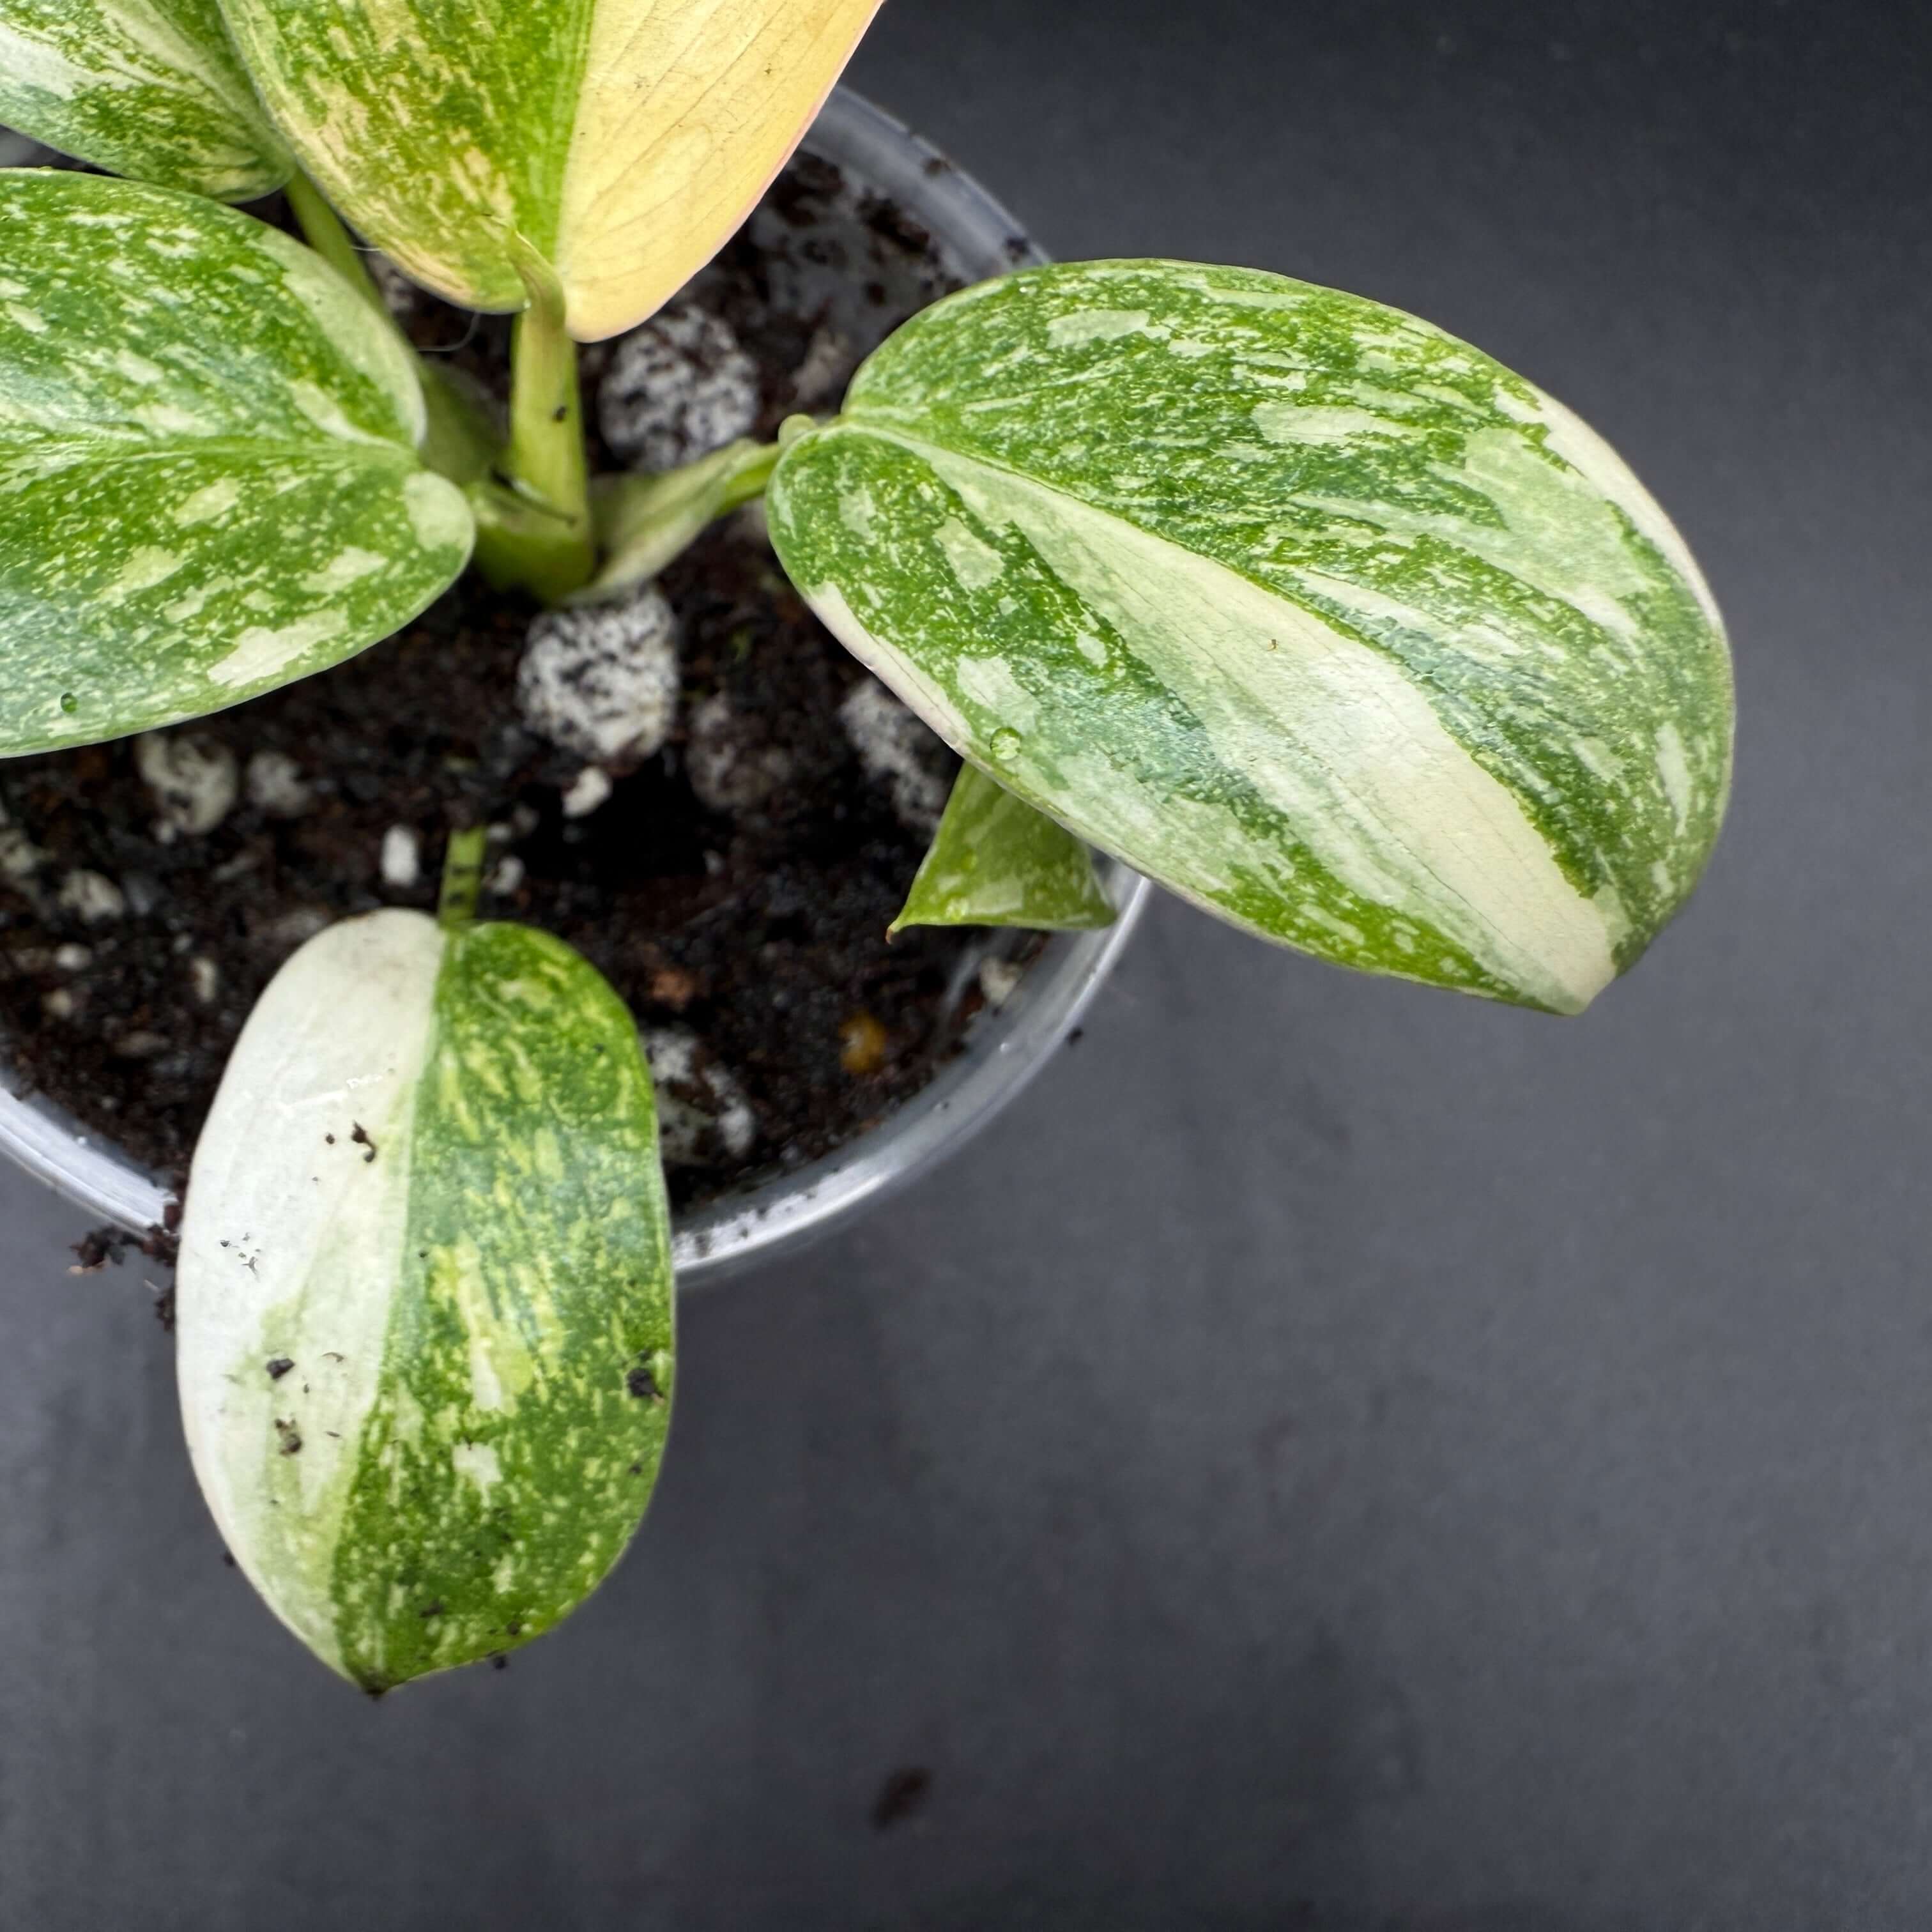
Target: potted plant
(1294, 604)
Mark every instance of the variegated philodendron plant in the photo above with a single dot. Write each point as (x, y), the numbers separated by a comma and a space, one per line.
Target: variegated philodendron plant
(1304, 608)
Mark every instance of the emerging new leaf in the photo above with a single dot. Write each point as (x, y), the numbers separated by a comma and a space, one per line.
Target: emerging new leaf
(624, 140)
(424, 1307)
(998, 862)
(149, 88)
(1304, 608)
(209, 478)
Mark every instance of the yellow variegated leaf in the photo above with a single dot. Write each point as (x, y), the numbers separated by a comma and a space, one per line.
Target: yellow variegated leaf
(624, 140)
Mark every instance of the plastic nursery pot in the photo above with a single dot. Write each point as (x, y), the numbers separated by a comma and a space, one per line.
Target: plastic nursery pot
(973, 237)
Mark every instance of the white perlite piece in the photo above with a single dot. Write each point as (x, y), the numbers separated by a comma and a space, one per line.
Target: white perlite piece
(276, 786)
(194, 780)
(590, 789)
(999, 980)
(601, 680)
(730, 770)
(893, 747)
(507, 877)
(206, 977)
(91, 897)
(677, 389)
(701, 1109)
(402, 857)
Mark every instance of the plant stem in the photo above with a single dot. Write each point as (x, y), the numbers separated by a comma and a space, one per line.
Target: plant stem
(321, 228)
(544, 538)
(462, 879)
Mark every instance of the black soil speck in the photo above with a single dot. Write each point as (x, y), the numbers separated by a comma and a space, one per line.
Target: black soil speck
(291, 1437)
(361, 1138)
(644, 1385)
(278, 1366)
(902, 1795)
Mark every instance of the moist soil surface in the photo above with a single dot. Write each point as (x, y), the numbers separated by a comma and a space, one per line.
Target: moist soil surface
(131, 952)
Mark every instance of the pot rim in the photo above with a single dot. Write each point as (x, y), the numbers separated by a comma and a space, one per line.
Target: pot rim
(1001, 1050)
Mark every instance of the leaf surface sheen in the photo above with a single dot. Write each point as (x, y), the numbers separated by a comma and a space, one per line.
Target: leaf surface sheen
(1313, 613)
(429, 1185)
(208, 479)
(148, 88)
(625, 140)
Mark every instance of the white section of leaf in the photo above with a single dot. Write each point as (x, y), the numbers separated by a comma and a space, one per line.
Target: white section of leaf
(292, 1245)
(261, 651)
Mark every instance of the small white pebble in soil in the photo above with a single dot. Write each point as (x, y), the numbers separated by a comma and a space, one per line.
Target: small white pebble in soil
(701, 1109)
(677, 388)
(589, 789)
(205, 978)
(898, 751)
(602, 679)
(194, 780)
(276, 785)
(730, 767)
(57, 1005)
(999, 979)
(20, 858)
(826, 368)
(72, 958)
(507, 877)
(402, 858)
(140, 1045)
(91, 897)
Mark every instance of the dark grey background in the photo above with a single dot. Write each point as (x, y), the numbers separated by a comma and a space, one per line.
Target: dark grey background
(1340, 1457)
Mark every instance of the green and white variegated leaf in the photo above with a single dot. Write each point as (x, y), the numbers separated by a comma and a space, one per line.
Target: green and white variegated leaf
(624, 141)
(1312, 613)
(995, 861)
(424, 1308)
(149, 88)
(208, 479)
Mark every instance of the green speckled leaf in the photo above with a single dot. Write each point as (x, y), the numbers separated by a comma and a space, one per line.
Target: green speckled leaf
(1312, 613)
(996, 861)
(209, 478)
(150, 88)
(424, 1308)
(625, 140)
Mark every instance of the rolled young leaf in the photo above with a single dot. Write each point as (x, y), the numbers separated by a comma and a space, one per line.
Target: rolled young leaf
(149, 88)
(995, 861)
(624, 140)
(1314, 613)
(208, 479)
(424, 1313)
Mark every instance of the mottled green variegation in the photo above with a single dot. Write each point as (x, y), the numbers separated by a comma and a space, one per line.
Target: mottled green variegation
(149, 88)
(996, 861)
(424, 1309)
(1310, 611)
(208, 479)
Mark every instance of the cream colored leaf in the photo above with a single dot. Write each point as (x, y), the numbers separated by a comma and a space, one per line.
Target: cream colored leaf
(624, 139)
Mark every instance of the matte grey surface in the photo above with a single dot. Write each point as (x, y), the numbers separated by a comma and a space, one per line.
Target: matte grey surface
(1340, 1457)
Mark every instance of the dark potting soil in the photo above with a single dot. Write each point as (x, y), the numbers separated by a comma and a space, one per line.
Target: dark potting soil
(130, 955)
